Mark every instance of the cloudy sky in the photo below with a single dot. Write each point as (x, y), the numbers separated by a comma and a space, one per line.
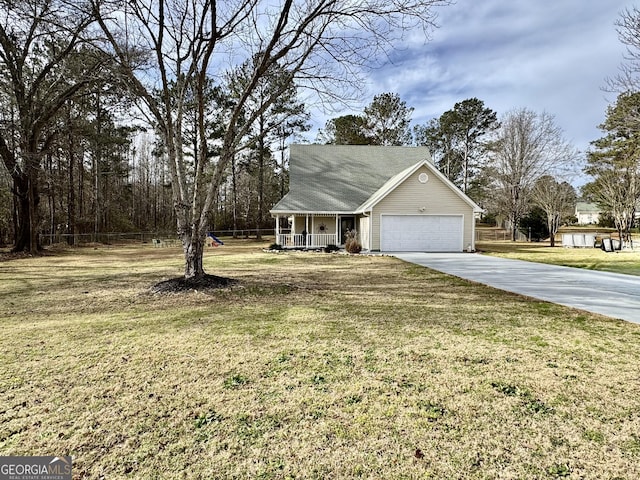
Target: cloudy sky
(545, 55)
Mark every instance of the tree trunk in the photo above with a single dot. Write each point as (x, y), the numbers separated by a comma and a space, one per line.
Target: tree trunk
(26, 191)
(22, 222)
(71, 198)
(552, 225)
(282, 174)
(515, 212)
(261, 155)
(234, 192)
(51, 195)
(620, 237)
(34, 199)
(465, 166)
(193, 254)
(14, 216)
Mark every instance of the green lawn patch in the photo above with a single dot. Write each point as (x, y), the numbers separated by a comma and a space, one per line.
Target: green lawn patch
(625, 261)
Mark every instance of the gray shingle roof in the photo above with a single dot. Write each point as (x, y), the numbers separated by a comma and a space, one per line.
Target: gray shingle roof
(587, 207)
(340, 178)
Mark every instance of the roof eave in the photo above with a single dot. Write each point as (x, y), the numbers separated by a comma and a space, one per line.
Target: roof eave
(310, 212)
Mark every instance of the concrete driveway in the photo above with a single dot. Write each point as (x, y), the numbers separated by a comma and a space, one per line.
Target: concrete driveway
(611, 294)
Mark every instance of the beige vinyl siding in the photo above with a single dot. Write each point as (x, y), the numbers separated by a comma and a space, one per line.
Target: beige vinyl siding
(329, 222)
(431, 198)
(297, 226)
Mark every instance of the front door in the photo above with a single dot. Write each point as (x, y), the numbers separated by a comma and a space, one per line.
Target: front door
(346, 224)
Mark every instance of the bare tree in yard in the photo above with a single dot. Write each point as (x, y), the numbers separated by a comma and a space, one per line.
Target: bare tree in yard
(38, 41)
(557, 199)
(528, 145)
(321, 44)
(614, 164)
(628, 28)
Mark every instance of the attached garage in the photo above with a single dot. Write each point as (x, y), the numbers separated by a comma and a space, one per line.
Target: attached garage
(421, 233)
(393, 198)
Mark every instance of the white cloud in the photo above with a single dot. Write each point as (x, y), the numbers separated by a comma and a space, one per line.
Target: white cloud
(542, 55)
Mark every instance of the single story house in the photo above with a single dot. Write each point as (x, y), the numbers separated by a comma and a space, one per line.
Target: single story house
(587, 213)
(394, 197)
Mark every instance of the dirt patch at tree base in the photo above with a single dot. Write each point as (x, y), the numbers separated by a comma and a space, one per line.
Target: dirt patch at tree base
(202, 283)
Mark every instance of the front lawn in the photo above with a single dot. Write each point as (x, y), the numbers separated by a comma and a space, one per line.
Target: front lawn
(310, 366)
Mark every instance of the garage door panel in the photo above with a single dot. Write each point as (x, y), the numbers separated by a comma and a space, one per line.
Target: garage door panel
(421, 233)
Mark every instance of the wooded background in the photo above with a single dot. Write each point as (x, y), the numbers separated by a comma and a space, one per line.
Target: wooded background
(119, 117)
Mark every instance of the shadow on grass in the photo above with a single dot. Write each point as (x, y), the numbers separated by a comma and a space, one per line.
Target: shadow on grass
(512, 247)
(201, 283)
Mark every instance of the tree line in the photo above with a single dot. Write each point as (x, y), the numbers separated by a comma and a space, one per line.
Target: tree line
(208, 77)
(83, 155)
(175, 116)
(510, 165)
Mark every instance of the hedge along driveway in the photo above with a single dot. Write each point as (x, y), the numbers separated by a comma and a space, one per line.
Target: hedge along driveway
(611, 294)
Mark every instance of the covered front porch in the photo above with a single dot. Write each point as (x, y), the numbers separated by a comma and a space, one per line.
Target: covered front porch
(313, 230)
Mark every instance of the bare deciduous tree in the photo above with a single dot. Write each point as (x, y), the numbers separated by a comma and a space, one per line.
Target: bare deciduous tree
(557, 199)
(528, 145)
(165, 46)
(614, 164)
(628, 28)
(38, 40)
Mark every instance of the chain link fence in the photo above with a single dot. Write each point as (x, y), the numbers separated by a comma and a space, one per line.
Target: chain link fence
(498, 234)
(138, 237)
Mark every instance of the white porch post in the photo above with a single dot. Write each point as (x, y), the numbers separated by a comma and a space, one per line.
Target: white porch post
(371, 229)
(337, 230)
(278, 229)
(473, 233)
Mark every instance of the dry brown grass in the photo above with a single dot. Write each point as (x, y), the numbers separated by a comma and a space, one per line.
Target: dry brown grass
(312, 366)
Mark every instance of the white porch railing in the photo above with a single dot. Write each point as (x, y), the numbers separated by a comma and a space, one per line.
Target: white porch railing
(313, 240)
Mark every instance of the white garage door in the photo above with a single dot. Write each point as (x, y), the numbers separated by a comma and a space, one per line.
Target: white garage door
(421, 233)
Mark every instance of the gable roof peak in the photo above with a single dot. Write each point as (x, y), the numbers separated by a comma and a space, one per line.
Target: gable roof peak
(342, 177)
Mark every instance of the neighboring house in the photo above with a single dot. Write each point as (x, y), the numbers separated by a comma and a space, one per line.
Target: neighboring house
(394, 197)
(587, 213)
